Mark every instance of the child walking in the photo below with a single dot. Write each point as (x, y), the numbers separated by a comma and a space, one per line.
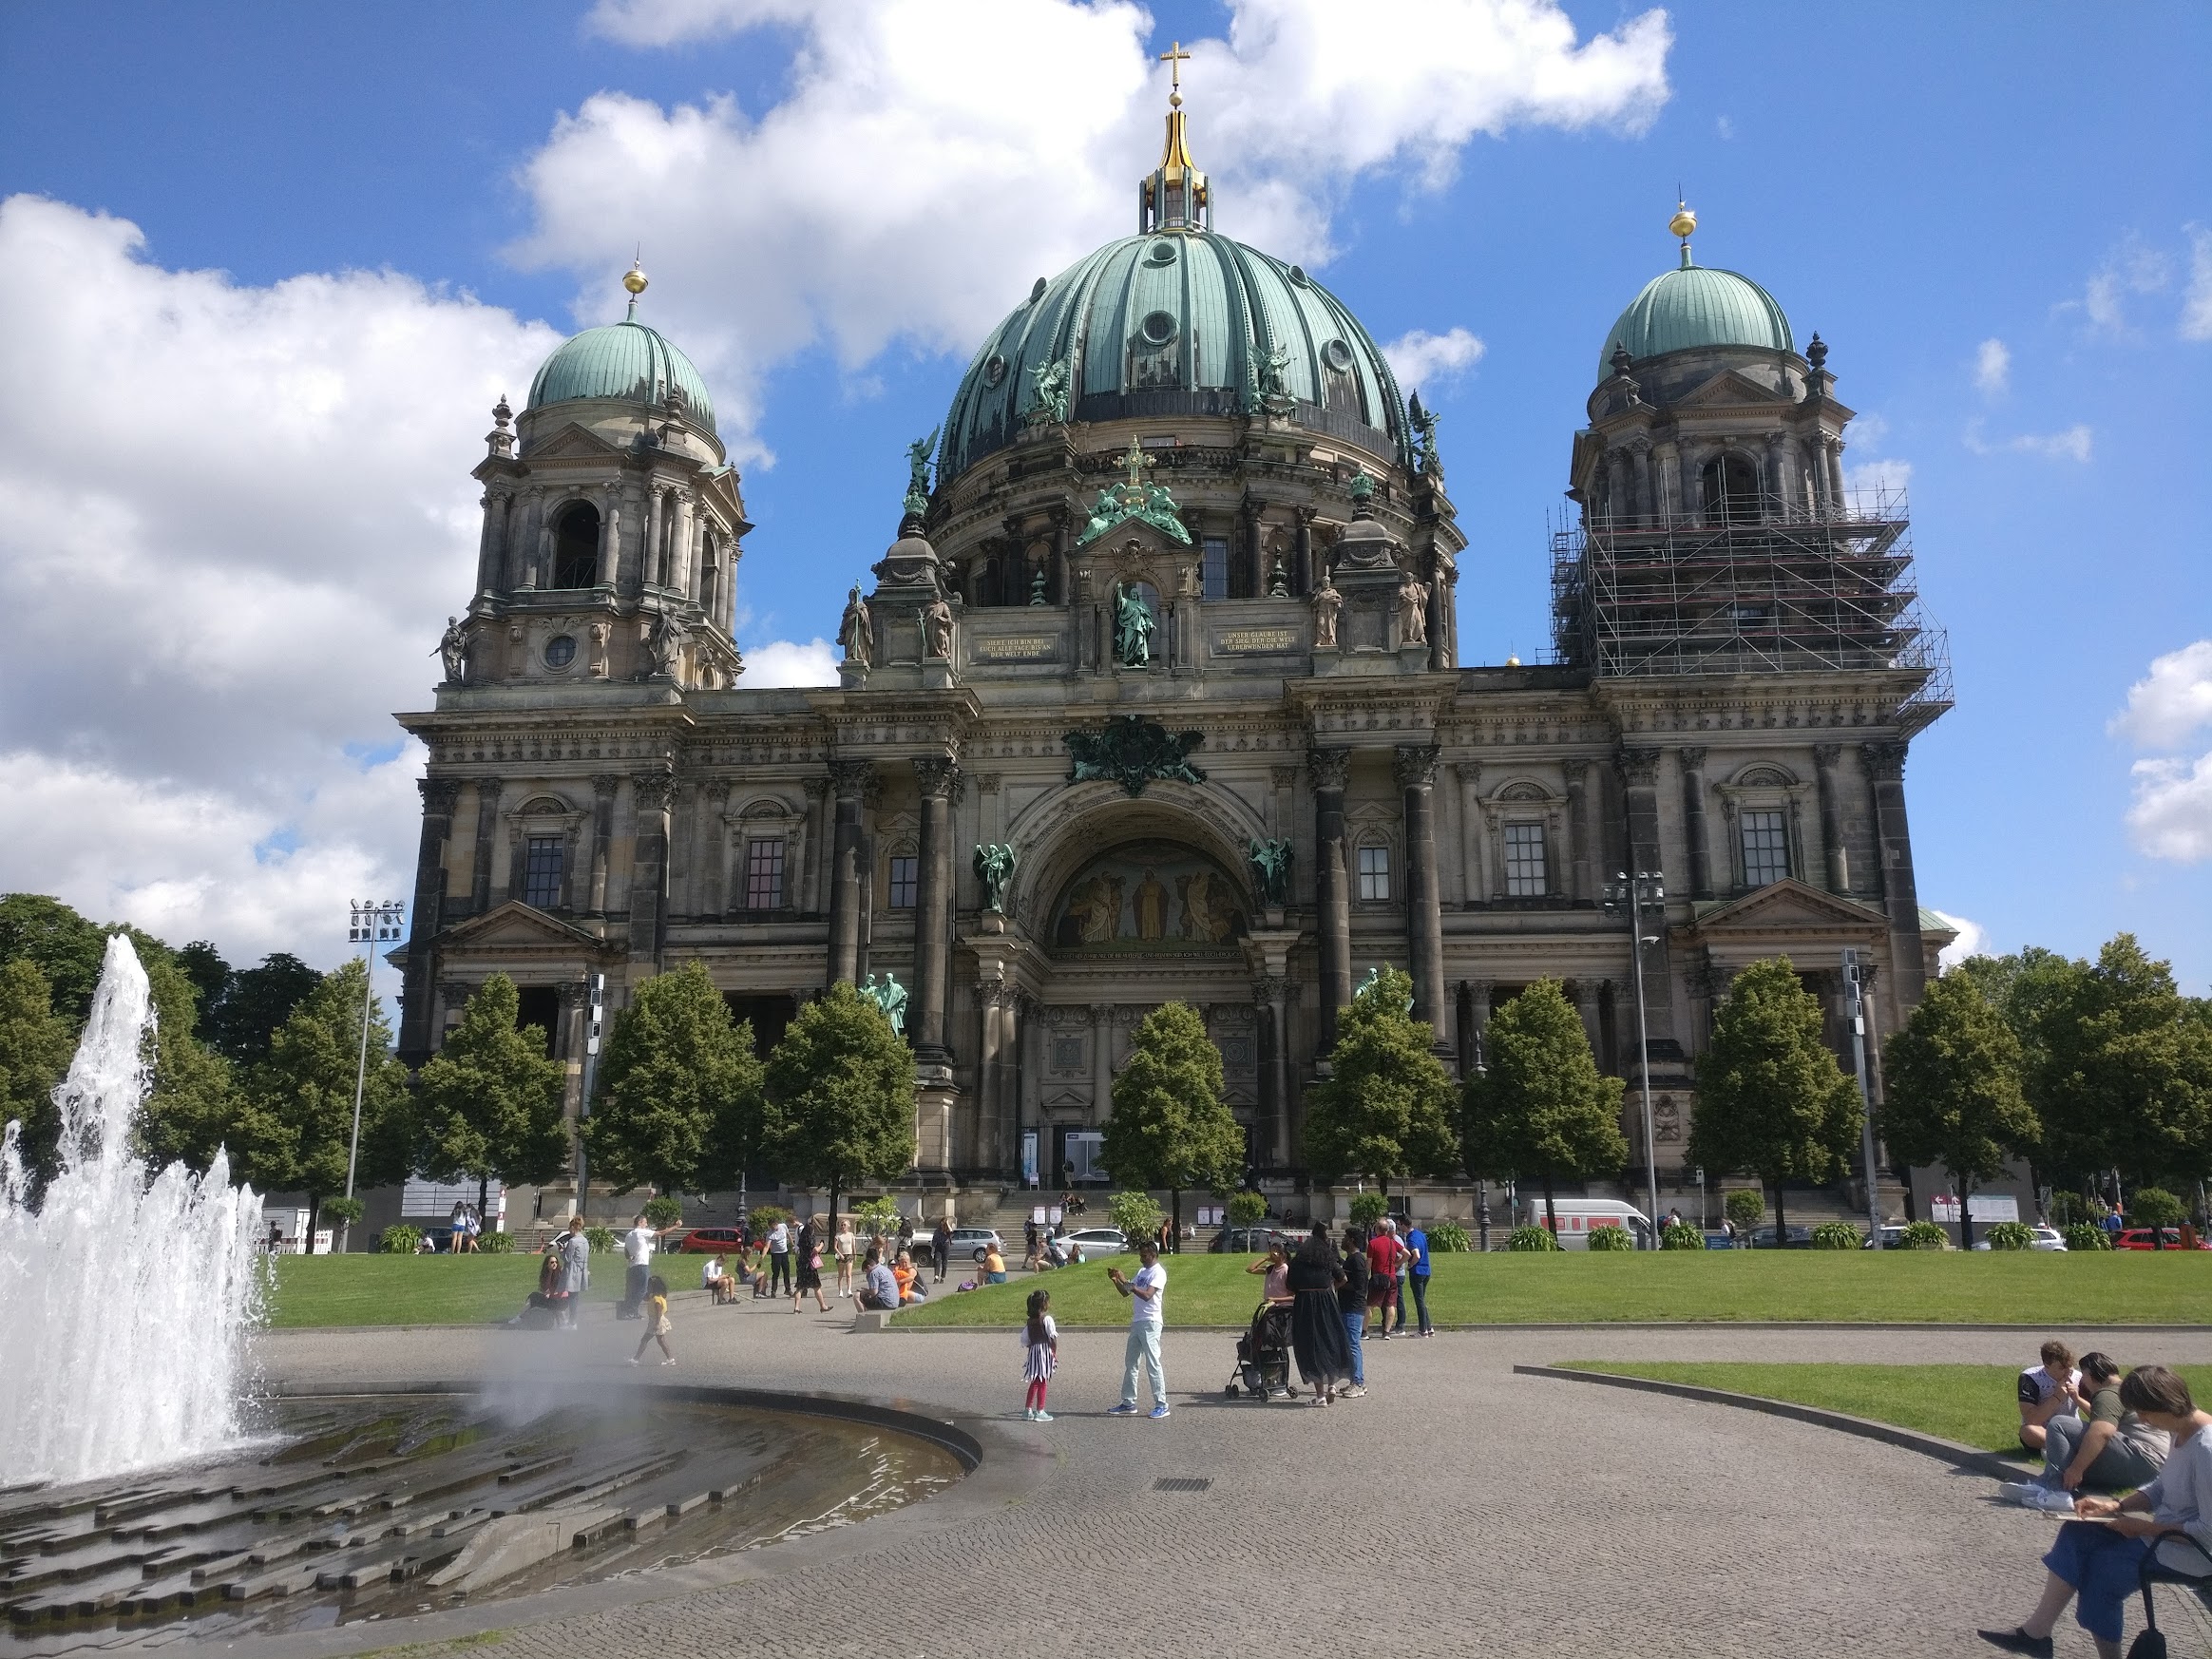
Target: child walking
(1041, 1347)
(655, 1321)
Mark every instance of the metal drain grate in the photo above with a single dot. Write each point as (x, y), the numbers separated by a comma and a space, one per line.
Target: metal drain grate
(1182, 1483)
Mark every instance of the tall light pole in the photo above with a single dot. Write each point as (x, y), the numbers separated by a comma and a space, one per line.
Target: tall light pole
(1631, 899)
(595, 989)
(1855, 972)
(374, 922)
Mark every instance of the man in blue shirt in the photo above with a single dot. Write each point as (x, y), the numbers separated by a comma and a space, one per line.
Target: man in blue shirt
(1416, 1274)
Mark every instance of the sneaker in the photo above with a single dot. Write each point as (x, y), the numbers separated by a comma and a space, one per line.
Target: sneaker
(1041, 1416)
(2034, 1495)
(1354, 1392)
(668, 1362)
(1157, 1412)
(2018, 1641)
(1382, 1336)
(633, 1361)
(1029, 1414)
(2055, 1499)
(1127, 1408)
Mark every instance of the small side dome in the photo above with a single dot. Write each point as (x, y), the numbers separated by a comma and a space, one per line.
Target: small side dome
(1695, 305)
(628, 361)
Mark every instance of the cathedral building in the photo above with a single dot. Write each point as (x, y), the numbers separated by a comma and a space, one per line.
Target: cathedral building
(1156, 696)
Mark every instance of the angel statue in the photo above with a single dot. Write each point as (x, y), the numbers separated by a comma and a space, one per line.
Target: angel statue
(918, 454)
(1271, 862)
(995, 870)
(1423, 421)
(1049, 405)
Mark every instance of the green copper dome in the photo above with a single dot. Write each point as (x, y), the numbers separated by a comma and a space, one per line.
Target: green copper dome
(1696, 305)
(624, 361)
(1176, 324)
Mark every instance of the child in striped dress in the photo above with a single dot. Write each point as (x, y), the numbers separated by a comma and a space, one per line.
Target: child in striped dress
(1040, 1350)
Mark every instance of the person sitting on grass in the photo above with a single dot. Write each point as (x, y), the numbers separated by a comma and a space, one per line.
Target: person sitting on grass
(994, 1265)
(2100, 1556)
(2049, 1390)
(2112, 1451)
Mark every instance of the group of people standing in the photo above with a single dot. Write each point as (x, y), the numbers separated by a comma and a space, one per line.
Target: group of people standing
(1332, 1287)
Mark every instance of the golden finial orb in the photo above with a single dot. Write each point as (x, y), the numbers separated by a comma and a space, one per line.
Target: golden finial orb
(1683, 221)
(1512, 661)
(634, 278)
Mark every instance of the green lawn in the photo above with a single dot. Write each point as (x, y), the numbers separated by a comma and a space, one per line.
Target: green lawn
(1911, 1286)
(1972, 1404)
(1903, 1286)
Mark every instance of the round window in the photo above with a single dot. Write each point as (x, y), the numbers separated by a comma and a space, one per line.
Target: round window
(1036, 293)
(1158, 327)
(1337, 356)
(1162, 251)
(561, 651)
(1298, 275)
(994, 370)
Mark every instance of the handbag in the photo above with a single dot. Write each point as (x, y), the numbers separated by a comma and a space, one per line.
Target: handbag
(814, 1261)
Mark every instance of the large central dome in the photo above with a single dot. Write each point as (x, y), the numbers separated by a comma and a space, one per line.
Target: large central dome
(1177, 321)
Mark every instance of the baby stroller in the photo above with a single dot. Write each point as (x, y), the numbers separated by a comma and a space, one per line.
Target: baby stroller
(1263, 1355)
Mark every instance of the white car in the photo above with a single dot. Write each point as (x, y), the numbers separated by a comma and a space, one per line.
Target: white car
(2047, 1238)
(1098, 1241)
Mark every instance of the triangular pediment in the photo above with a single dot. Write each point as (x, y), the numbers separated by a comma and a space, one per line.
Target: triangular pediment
(573, 442)
(1790, 905)
(515, 925)
(1729, 389)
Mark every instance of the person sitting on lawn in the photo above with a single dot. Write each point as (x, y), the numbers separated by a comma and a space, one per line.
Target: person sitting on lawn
(2100, 1556)
(2114, 1450)
(2049, 1390)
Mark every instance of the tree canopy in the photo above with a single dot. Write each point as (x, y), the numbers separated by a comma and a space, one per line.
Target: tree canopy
(488, 1103)
(840, 1088)
(1540, 1109)
(1384, 1110)
(677, 1083)
(35, 1047)
(1170, 1126)
(1954, 1088)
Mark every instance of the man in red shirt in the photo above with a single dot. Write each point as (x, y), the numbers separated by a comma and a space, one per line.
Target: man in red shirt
(1384, 1255)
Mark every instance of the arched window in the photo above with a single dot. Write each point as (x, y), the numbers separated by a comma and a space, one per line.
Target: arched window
(1731, 490)
(576, 547)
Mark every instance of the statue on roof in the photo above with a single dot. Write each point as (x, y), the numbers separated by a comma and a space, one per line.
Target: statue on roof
(453, 650)
(918, 454)
(1132, 626)
(856, 632)
(1275, 383)
(1424, 419)
(1049, 404)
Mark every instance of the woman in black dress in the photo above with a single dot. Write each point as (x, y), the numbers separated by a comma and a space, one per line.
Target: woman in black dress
(807, 1255)
(1317, 1326)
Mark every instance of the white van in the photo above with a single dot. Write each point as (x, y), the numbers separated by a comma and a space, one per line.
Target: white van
(1578, 1215)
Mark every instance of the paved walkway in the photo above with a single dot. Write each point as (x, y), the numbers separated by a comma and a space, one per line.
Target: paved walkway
(1457, 1509)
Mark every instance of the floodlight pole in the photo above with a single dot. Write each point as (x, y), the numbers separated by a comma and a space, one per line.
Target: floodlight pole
(1647, 889)
(596, 985)
(372, 921)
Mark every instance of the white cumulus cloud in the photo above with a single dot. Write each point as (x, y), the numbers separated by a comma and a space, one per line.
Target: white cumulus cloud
(2075, 444)
(1972, 941)
(2172, 702)
(1419, 358)
(2172, 816)
(788, 662)
(2197, 297)
(896, 194)
(1992, 366)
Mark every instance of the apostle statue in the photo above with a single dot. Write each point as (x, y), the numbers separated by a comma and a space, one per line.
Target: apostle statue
(857, 633)
(1132, 626)
(453, 650)
(936, 629)
(1328, 605)
(1412, 612)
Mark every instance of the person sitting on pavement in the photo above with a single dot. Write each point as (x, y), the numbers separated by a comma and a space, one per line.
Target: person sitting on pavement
(2114, 1450)
(2049, 1390)
(714, 1279)
(2100, 1556)
(879, 1285)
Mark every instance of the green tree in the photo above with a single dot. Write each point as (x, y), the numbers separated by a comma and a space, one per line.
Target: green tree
(35, 1047)
(1385, 1108)
(1541, 1109)
(64, 947)
(676, 1071)
(254, 1001)
(1953, 1094)
(840, 1088)
(1746, 1208)
(195, 1107)
(306, 1089)
(201, 963)
(1771, 1100)
(488, 1103)
(1170, 1127)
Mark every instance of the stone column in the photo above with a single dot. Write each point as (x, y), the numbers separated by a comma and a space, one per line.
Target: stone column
(1415, 767)
(651, 563)
(1581, 831)
(1270, 998)
(1304, 551)
(652, 792)
(714, 848)
(849, 777)
(991, 1009)
(602, 840)
(1471, 860)
(1900, 898)
(1583, 993)
(1693, 816)
(810, 872)
(1836, 854)
(1667, 507)
(1836, 472)
(1639, 770)
(939, 778)
(1647, 501)
(486, 828)
(417, 1018)
(1101, 1062)
(680, 544)
(1331, 884)
(537, 549)
(490, 540)
(610, 551)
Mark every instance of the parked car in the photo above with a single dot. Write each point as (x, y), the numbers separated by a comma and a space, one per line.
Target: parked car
(1254, 1241)
(703, 1241)
(1890, 1237)
(1098, 1241)
(1800, 1238)
(2047, 1238)
(2138, 1238)
(971, 1241)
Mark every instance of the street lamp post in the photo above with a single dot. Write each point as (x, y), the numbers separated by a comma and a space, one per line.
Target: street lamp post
(596, 986)
(374, 922)
(1624, 897)
(1855, 972)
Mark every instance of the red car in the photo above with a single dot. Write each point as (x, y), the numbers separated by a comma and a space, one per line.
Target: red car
(704, 1241)
(2138, 1238)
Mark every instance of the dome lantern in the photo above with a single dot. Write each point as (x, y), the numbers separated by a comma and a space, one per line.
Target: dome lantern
(1175, 195)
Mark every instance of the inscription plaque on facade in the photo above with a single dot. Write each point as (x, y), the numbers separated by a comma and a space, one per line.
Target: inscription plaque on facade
(1256, 639)
(1028, 647)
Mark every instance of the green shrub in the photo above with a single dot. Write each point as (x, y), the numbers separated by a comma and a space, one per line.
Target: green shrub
(1448, 1238)
(2009, 1235)
(1611, 1236)
(2087, 1235)
(339, 1211)
(2146, 1207)
(766, 1215)
(1836, 1235)
(1366, 1208)
(600, 1238)
(666, 1211)
(1531, 1238)
(1680, 1236)
(1135, 1214)
(400, 1240)
(1746, 1208)
(1247, 1209)
(2067, 1209)
(1923, 1235)
(497, 1244)
(876, 1218)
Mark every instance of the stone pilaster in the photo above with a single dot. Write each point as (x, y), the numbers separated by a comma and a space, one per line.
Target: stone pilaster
(417, 1018)
(1900, 896)
(1332, 885)
(1414, 767)
(1693, 817)
(602, 840)
(1581, 831)
(939, 778)
(817, 833)
(1836, 855)
(848, 778)
(1271, 999)
(652, 792)
(480, 857)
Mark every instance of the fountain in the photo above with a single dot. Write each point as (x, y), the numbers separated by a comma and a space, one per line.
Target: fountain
(127, 1294)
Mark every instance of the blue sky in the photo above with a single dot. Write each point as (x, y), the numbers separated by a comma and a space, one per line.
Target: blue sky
(1914, 182)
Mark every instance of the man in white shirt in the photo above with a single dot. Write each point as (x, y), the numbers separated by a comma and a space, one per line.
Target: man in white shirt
(636, 1250)
(779, 1260)
(1147, 1294)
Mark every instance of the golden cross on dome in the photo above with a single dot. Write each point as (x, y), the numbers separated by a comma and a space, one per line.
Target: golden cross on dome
(1175, 57)
(1137, 461)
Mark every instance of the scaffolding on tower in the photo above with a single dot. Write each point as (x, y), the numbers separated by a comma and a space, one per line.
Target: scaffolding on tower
(1761, 588)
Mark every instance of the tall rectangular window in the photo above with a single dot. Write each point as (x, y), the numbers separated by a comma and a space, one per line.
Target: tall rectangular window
(1525, 875)
(764, 872)
(905, 881)
(541, 872)
(1374, 872)
(1765, 848)
(1214, 567)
